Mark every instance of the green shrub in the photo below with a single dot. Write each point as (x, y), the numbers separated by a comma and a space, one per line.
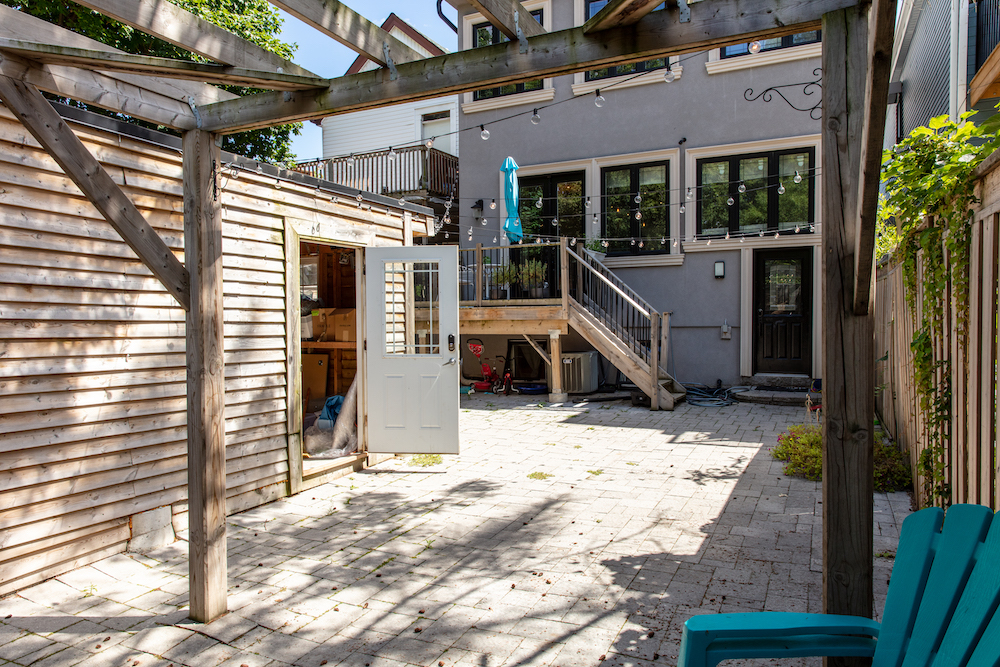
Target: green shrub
(802, 450)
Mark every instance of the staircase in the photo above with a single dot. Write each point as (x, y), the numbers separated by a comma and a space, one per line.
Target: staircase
(620, 325)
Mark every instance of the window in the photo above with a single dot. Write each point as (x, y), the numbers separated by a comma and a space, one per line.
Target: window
(756, 193)
(632, 226)
(563, 205)
(591, 7)
(486, 34)
(798, 39)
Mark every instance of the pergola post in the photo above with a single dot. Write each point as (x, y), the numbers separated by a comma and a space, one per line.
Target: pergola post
(848, 339)
(205, 378)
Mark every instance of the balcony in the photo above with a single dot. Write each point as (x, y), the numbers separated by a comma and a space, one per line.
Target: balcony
(986, 83)
(417, 172)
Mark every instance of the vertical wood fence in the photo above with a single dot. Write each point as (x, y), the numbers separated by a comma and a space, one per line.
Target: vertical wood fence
(970, 460)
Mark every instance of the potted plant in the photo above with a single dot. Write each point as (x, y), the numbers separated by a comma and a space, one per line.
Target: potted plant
(596, 249)
(531, 275)
(502, 278)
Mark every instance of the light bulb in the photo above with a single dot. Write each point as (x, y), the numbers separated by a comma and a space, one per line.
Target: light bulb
(709, 243)
(776, 235)
(599, 100)
(446, 234)
(555, 222)
(727, 236)
(392, 153)
(641, 244)
(638, 215)
(669, 75)
(761, 233)
(796, 229)
(538, 239)
(741, 239)
(730, 201)
(520, 241)
(797, 178)
(633, 241)
(638, 199)
(350, 160)
(535, 118)
(538, 204)
(588, 202)
(675, 243)
(494, 239)
(663, 240)
(493, 204)
(277, 184)
(483, 222)
(485, 134)
(754, 47)
(596, 220)
(401, 202)
(430, 142)
(261, 171)
(690, 195)
(682, 208)
(781, 188)
(604, 243)
(742, 188)
(360, 197)
(572, 242)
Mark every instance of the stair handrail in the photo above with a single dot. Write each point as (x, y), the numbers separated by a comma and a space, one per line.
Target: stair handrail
(623, 290)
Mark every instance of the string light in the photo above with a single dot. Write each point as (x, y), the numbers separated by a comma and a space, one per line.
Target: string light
(781, 188)
(663, 240)
(638, 215)
(360, 197)
(776, 235)
(494, 239)
(761, 233)
(669, 75)
(538, 204)
(484, 222)
(605, 244)
(587, 204)
(682, 208)
(730, 201)
(675, 243)
(755, 47)
(493, 204)
(633, 241)
(742, 188)
(597, 220)
(392, 154)
(727, 236)
(689, 194)
(485, 134)
(535, 118)
(638, 198)
(798, 177)
(572, 242)
(709, 243)
(277, 184)
(599, 99)
(555, 222)
(641, 244)
(741, 239)
(401, 202)
(796, 229)
(350, 160)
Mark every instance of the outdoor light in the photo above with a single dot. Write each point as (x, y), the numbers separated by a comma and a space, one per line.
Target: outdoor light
(535, 118)
(720, 269)
(485, 134)
(478, 207)
(599, 99)
(493, 204)
(669, 76)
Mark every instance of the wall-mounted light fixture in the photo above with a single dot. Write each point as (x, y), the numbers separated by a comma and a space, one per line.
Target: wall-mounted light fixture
(720, 269)
(478, 208)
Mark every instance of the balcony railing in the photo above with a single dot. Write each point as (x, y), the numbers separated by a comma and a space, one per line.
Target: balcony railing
(403, 171)
(987, 30)
(510, 275)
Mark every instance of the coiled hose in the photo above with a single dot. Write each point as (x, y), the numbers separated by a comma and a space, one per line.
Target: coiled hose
(704, 396)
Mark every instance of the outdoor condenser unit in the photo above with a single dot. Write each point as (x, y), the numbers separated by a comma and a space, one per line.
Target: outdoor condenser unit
(579, 372)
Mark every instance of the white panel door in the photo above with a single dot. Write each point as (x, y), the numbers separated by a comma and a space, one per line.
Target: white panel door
(411, 311)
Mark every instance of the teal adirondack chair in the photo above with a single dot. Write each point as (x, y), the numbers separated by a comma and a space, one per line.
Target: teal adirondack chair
(941, 608)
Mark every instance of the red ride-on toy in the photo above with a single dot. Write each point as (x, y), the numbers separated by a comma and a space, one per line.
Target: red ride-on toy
(490, 377)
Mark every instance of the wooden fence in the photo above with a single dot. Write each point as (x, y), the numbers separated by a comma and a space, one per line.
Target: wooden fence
(969, 458)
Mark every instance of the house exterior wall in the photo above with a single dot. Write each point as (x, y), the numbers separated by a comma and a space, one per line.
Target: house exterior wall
(926, 70)
(703, 108)
(92, 347)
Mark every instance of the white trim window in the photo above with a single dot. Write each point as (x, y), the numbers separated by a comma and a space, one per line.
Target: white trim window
(800, 46)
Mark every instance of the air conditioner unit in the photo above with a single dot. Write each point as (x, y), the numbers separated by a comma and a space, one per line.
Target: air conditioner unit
(579, 372)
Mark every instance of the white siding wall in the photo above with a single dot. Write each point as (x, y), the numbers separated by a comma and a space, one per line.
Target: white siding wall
(376, 129)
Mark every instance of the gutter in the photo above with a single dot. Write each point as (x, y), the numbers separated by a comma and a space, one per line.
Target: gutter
(445, 18)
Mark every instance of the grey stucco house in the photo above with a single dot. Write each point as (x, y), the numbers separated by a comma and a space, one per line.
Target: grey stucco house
(719, 179)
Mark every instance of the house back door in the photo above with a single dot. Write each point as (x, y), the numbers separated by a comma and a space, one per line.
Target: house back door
(783, 311)
(411, 313)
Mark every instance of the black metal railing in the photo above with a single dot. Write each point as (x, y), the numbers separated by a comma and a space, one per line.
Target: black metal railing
(509, 274)
(396, 172)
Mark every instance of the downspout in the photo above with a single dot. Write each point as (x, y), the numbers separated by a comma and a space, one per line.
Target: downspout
(953, 100)
(445, 18)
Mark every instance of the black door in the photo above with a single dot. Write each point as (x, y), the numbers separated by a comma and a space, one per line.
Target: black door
(783, 311)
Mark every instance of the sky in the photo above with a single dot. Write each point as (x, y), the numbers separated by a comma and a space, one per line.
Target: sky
(322, 55)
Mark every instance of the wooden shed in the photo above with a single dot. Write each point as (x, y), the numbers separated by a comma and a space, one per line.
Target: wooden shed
(92, 350)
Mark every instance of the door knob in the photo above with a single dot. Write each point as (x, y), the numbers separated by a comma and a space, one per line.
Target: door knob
(449, 362)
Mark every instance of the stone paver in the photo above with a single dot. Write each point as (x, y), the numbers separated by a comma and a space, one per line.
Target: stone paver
(562, 535)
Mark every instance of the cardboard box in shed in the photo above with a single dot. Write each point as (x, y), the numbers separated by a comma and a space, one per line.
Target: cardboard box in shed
(337, 324)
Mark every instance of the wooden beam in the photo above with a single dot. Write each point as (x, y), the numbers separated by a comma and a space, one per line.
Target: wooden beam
(618, 13)
(501, 14)
(538, 348)
(178, 69)
(657, 35)
(18, 25)
(848, 339)
(986, 83)
(557, 392)
(882, 26)
(55, 136)
(193, 33)
(101, 90)
(354, 31)
(206, 399)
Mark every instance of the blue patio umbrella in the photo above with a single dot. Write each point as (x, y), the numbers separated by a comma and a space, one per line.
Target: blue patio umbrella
(512, 225)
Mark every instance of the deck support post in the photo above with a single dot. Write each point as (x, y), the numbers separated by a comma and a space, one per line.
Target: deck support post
(848, 339)
(556, 393)
(205, 378)
(479, 274)
(654, 361)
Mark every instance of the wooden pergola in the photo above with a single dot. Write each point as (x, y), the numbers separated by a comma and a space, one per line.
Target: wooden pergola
(857, 43)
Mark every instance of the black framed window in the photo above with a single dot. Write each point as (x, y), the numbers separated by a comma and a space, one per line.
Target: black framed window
(636, 227)
(563, 208)
(737, 50)
(486, 34)
(754, 193)
(591, 7)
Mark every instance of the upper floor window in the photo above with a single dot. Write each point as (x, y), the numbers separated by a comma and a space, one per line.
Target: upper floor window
(636, 200)
(486, 34)
(772, 44)
(591, 7)
(563, 201)
(756, 193)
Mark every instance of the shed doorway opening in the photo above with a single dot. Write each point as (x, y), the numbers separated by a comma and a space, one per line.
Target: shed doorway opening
(329, 355)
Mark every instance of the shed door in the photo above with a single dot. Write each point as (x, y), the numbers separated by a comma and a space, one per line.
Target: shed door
(411, 306)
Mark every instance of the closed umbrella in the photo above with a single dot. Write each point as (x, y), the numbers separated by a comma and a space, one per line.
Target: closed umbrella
(512, 225)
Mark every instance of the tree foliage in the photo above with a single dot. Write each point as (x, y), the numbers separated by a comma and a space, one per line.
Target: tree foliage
(254, 20)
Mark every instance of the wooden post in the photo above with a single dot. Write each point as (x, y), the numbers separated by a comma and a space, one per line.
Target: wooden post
(479, 274)
(848, 339)
(556, 393)
(564, 275)
(205, 378)
(293, 357)
(654, 361)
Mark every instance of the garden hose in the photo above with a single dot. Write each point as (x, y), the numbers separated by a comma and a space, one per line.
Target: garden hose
(704, 396)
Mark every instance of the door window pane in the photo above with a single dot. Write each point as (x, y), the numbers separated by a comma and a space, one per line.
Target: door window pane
(653, 207)
(793, 206)
(753, 202)
(412, 305)
(783, 287)
(618, 208)
(532, 217)
(569, 208)
(714, 197)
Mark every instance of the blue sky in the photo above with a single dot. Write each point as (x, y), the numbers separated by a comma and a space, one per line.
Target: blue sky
(325, 57)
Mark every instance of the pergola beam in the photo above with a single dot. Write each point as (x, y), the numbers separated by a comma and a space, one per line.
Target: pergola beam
(354, 31)
(101, 90)
(501, 14)
(618, 13)
(168, 67)
(567, 51)
(882, 28)
(55, 136)
(193, 33)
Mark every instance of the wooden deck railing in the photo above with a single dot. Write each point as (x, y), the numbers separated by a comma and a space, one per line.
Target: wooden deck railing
(510, 275)
(399, 172)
